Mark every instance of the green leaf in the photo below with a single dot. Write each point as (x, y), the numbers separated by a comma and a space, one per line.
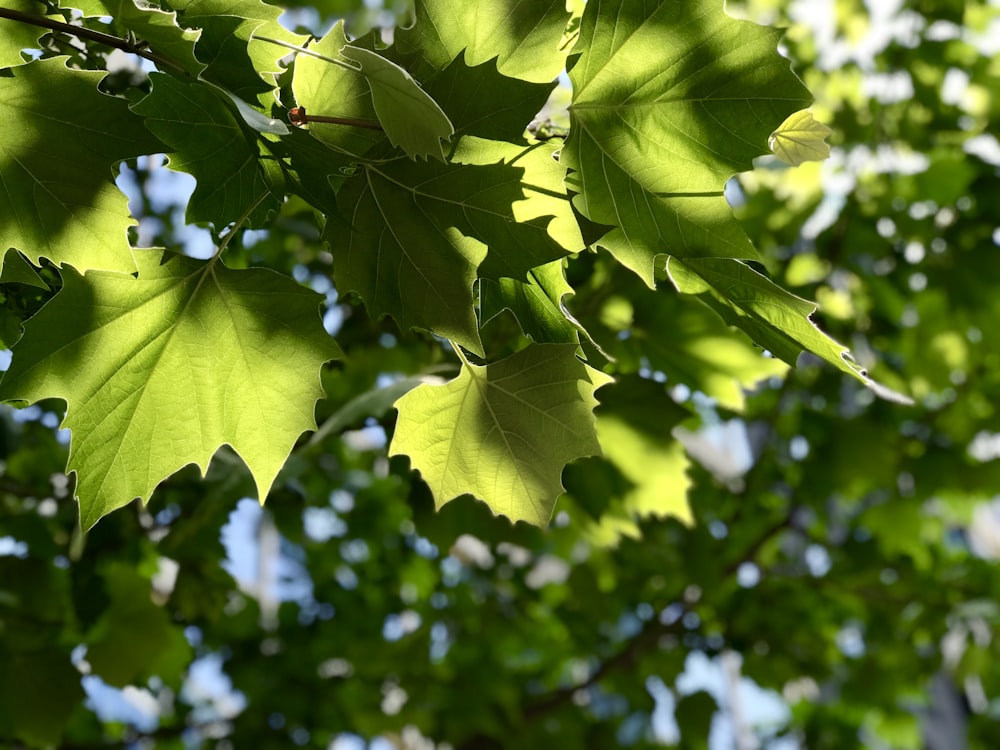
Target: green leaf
(411, 119)
(324, 88)
(800, 138)
(157, 28)
(231, 46)
(633, 425)
(686, 341)
(135, 639)
(537, 304)
(181, 360)
(419, 232)
(39, 690)
(62, 137)
(374, 403)
(479, 101)
(209, 141)
(504, 431)
(774, 318)
(523, 35)
(16, 36)
(16, 270)
(671, 99)
(39, 686)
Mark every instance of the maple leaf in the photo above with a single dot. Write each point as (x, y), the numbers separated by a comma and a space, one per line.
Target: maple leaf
(504, 431)
(323, 88)
(411, 119)
(157, 29)
(536, 303)
(420, 233)
(18, 36)
(61, 138)
(210, 142)
(232, 43)
(773, 317)
(669, 101)
(800, 138)
(523, 35)
(161, 370)
(482, 102)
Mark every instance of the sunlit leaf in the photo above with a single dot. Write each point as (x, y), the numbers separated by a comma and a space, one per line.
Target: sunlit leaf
(16, 37)
(411, 119)
(421, 233)
(669, 101)
(183, 359)
(800, 138)
(62, 138)
(523, 35)
(503, 432)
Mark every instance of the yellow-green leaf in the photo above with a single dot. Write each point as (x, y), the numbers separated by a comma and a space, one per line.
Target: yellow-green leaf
(800, 138)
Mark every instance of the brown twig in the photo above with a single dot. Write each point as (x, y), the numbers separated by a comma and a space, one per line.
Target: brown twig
(298, 116)
(136, 47)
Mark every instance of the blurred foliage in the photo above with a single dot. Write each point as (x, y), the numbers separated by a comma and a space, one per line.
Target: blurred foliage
(847, 560)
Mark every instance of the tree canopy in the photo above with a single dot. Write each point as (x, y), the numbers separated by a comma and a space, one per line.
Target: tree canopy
(505, 310)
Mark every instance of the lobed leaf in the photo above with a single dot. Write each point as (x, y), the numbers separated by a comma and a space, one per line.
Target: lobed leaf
(523, 35)
(61, 139)
(158, 29)
(16, 36)
(670, 99)
(420, 234)
(536, 303)
(482, 102)
(210, 142)
(411, 119)
(161, 370)
(800, 138)
(774, 318)
(232, 43)
(504, 431)
(324, 88)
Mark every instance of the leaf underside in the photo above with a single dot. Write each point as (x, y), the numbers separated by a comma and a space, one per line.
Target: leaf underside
(503, 432)
(161, 370)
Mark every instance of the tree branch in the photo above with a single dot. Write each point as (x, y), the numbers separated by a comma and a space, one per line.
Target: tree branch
(108, 40)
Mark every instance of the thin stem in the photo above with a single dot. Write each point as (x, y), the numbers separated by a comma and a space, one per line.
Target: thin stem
(109, 40)
(460, 353)
(224, 242)
(298, 116)
(305, 51)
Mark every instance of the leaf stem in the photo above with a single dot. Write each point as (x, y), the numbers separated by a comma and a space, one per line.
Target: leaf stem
(224, 242)
(298, 116)
(460, 353)
(130, 44)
